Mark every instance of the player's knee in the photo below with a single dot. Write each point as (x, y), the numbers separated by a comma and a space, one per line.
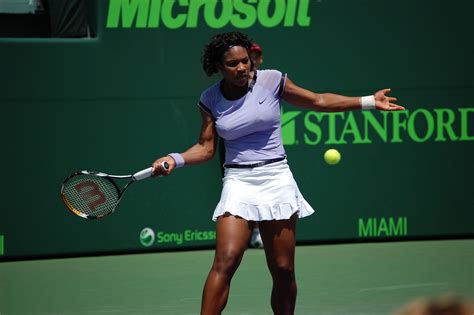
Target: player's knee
(283, 270)
(227, 262)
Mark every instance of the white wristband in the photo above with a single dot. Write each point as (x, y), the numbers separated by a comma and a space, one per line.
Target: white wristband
(178, 158)
(367, 102)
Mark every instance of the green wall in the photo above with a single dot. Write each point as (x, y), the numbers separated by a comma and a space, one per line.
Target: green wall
(116, 102)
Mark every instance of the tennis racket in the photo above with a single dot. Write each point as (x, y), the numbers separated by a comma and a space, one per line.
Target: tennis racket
(94, 195)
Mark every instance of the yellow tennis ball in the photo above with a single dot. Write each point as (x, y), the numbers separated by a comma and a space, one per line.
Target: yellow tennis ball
(332, 156)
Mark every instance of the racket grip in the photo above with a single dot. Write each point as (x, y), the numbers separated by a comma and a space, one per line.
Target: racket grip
(143, 174)
(148, 171)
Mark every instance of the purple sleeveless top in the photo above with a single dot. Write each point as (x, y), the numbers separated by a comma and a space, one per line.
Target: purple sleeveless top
(249, 126)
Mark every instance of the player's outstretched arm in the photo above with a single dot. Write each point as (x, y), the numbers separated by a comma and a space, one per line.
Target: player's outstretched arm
(329, 102)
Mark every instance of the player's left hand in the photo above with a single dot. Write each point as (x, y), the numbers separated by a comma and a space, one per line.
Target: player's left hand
(384, 102)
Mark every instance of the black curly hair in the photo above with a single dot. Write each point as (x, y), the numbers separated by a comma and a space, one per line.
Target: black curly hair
(218, 45)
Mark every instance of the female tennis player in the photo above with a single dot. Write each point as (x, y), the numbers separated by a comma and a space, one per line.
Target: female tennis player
(258, 185)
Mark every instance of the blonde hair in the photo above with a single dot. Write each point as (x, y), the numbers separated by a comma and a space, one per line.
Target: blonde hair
(443, 305)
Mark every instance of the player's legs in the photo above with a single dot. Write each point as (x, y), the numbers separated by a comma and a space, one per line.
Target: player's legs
(233, 234)
(279, 243)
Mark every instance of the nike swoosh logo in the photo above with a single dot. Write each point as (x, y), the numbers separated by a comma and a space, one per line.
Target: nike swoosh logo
(261, 102)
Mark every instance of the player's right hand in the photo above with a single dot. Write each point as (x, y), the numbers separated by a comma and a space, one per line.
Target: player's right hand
(159, 170)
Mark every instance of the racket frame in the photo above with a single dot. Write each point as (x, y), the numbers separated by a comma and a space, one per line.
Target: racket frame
(105, 176)
(135, 177)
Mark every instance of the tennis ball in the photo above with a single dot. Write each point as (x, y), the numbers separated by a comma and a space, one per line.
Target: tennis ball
(332, 156)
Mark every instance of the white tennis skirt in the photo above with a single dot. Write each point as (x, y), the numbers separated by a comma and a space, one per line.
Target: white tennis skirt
(262, 193)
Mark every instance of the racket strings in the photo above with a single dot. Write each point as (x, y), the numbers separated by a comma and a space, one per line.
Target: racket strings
(90, 196)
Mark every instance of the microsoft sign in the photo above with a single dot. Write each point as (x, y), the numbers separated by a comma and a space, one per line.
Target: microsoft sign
(174, 14)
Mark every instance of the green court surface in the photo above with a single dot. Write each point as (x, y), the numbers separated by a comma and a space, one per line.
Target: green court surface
(364, 278)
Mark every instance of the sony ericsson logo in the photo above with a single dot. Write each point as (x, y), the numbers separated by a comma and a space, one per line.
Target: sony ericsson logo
(365, 127)
(174, 14)
(147, 237)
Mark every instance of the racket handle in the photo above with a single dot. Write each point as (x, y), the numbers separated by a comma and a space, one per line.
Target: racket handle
(143, 174)
(148, 171)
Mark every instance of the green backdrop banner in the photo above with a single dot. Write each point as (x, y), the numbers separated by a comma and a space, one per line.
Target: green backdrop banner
(116, 102)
